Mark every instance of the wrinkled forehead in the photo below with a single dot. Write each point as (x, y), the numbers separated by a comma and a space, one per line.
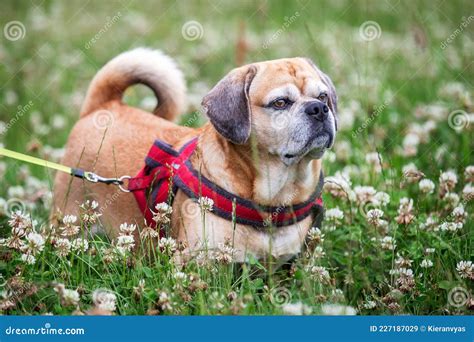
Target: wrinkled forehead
(292, 77)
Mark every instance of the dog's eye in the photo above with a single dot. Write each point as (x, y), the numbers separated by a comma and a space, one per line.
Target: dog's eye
(323, 97)
(280, 104)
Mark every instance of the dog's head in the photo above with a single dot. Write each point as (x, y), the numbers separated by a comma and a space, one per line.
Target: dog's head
(288, 105)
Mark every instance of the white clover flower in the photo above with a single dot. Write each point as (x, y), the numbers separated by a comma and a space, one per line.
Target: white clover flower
(451, 198)
(410, 145)
(338, 185)
(180, 276)
(468, 192)
(403, 262)
(426, 186)
(334, 214)
(69, 228)
(80, 245)
(206, 203)
(315, 235)
(20, 222)
(125, 243)
(71, 297)
(35, 243)
(364, 193)
(409, 168)
(459, 214)
(369, 305)
(296, 309)
(164, 208)
(381, 198)
(329, 156)
(374, 216)
(450, 226)
(469, 174)
(168, 245)
(388, 243)
(89, 214)
(162, 214)
(465, 269)
(320, 273)
(127, 229)
(63, 247)
(426, 263)
(405, 211)
(28, 259)
(333, 217)
(318, 252)
(338, 310)
(407, 272)
(448, 179)
(374, 160)
(224, 253)
(104, 300)
(16, 192)
(67, 297)
(431, 223)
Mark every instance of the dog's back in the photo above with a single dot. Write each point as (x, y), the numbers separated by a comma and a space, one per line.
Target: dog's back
(112, 138)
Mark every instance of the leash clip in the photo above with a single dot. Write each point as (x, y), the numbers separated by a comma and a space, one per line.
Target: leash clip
(94, 178)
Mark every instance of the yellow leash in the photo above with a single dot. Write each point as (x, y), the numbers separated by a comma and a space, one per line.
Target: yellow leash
(89, 176)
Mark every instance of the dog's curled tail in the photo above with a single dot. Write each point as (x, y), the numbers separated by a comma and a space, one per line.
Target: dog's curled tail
(139, 66)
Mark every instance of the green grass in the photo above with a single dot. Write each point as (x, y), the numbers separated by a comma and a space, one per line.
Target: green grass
(405, 68)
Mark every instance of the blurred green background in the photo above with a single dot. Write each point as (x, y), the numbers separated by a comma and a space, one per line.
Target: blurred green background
(53, 61)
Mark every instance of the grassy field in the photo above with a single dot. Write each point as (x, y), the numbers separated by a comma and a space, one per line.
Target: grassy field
(397, 238)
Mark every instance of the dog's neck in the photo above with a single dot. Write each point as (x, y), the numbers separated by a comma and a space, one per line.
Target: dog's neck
(253, 174)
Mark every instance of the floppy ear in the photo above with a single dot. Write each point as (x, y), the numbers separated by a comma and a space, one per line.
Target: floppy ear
(332, 90)
(228, 107)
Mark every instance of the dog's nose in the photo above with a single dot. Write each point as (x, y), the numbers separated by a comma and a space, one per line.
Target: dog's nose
(318, 110)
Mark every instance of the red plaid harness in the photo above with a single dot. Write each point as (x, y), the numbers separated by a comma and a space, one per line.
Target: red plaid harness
(167, 170)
